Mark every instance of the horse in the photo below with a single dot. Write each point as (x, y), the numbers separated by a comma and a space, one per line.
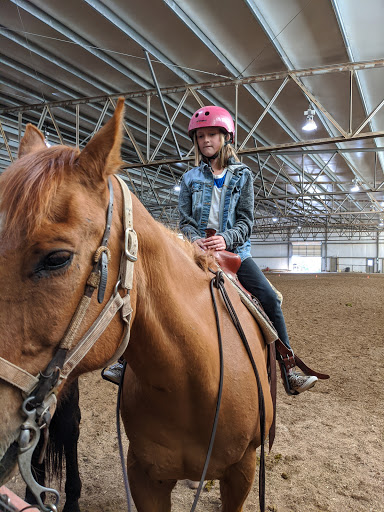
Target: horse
(57, 226)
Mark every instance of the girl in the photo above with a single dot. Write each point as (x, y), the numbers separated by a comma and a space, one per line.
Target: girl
(218, 194)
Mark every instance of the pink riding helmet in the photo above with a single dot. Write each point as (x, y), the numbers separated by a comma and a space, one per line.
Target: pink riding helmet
(212, 116)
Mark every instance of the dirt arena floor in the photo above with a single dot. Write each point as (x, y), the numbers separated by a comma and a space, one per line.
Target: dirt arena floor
(328, 454)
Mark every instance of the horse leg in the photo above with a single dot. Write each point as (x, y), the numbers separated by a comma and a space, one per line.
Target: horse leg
(149, 495)
(237, 482)
(71, 417)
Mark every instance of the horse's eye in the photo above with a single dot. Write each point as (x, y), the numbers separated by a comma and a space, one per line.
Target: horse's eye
(53, 261)
(56, 260)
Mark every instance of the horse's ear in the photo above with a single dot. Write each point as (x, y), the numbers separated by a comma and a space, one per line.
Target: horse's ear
(33, 140)
(102, 153)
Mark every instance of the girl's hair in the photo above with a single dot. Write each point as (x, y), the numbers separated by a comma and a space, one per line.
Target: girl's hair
(225, 152)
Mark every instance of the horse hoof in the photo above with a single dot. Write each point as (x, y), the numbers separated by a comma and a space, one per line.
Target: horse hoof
(71, 507)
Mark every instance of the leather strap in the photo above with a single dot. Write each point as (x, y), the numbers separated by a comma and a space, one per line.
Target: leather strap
(309, 371)
(17, 376)
(285, 355)
(115, 303)
(102, 264)
(219, 283)
(273, 388)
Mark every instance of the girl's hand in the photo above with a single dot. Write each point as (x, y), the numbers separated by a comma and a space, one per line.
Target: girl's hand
(215, 243)
(200, 243)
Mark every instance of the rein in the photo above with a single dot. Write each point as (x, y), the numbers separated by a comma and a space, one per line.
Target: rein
(41, 390)
(214, 282)
(218, 282)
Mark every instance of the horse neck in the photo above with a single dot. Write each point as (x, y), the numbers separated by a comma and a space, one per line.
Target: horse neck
(161, 261)
(165, 274)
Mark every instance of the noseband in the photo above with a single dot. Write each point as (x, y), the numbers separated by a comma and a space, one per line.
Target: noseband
(41, 390)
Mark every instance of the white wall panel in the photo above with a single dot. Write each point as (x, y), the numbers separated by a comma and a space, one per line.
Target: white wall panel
(269, 250)
(363, 250)
(273, 256)
(272, 263)
(352, 254)
(355, 264)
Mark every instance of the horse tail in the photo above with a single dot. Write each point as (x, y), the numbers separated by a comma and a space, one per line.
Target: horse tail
(62, 446)
(64, 432)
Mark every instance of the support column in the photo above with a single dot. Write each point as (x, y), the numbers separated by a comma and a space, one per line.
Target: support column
(376, 266)
(289, 251)
(324, 251)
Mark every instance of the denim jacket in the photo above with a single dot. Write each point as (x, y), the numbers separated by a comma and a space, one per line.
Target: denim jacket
(236, 206)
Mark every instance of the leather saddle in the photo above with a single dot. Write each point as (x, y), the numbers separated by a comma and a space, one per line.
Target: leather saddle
(229, 262)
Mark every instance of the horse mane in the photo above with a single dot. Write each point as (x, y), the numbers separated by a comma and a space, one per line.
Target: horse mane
(28, 187)
(203, 259)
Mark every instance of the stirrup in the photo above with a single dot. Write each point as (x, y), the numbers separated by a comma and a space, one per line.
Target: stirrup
(111, 375)
(288, 360)
(284, 376)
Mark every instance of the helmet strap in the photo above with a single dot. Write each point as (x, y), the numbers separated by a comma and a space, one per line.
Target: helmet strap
(208, 159)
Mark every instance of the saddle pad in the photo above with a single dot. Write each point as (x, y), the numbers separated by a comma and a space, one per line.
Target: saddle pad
(257, 311)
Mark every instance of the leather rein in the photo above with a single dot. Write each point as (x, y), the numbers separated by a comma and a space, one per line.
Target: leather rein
(218, 282)
(40, 391)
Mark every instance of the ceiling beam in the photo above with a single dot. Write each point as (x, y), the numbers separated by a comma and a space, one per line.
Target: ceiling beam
(206, 85)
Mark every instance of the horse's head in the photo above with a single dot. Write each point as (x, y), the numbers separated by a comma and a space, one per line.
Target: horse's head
(53, 204)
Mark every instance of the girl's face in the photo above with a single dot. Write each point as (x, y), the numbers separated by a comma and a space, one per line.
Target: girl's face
(209, 140)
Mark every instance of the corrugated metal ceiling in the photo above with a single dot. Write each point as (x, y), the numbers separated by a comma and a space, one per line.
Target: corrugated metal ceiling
(74, 50)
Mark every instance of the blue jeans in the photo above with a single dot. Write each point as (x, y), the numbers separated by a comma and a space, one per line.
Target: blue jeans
(253, 280)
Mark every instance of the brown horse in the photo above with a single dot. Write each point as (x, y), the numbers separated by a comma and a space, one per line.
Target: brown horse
(53, 216)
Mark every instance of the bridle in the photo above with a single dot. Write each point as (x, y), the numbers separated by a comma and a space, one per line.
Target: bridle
(40, 391)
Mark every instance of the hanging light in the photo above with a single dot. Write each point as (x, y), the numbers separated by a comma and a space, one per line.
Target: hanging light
(310, 124)
(356, 186)
(176, 188)
(274, 219)
(46, 135)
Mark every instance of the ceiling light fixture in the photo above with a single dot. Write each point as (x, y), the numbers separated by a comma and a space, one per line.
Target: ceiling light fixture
(176, 188)
(356, 185)
(310, 124)
(46, 135)
(274, 219)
